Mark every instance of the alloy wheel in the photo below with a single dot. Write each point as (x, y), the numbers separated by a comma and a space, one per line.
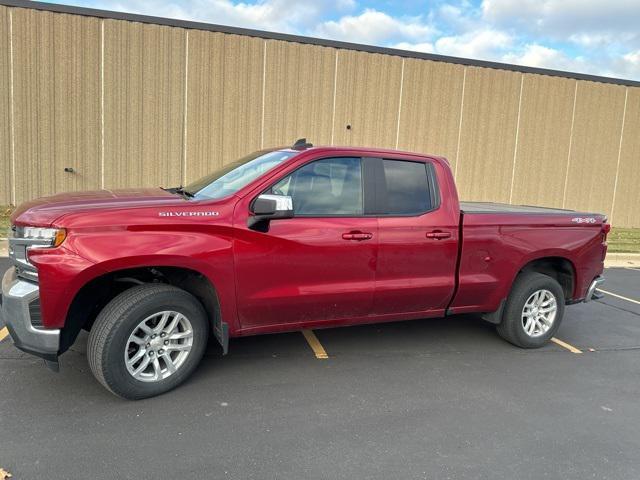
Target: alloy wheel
(158, 346)
(539, 313)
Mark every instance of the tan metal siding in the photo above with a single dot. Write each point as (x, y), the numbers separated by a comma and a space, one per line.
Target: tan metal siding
(430, 110)
(594, 146)
(5, 110)
(56, 102)
(224, 108)
(367, 96)
(546, 112)
(488, 134)
(298, 93)
(144, 74)
(627, 203)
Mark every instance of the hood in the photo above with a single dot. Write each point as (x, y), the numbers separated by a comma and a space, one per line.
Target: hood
(46, 210)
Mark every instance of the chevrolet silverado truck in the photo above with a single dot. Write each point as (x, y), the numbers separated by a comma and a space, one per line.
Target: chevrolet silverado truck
(283, 240)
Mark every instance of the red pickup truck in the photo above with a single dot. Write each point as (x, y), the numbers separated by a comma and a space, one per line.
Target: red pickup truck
(284, 239)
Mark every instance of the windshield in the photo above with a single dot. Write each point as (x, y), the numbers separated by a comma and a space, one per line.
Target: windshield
(231, 178)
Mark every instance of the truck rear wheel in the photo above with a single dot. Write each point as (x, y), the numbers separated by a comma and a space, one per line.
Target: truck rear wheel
(147, 340)
(533, 311)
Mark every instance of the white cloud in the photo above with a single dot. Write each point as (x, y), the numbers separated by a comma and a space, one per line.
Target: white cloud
(486, 44)
(534, 55)
(563, 19)
(594, 40)
(291, 16)
(633, 58)
(460, 17)
(425, 47)
(373, 26)
(627, 66)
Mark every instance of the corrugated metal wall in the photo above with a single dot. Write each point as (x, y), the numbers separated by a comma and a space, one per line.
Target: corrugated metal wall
(55, 102)
(130, 104)
(626, 206)
(544, 132)
(6, 168)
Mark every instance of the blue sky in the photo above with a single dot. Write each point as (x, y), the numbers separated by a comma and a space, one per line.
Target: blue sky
(596, 37)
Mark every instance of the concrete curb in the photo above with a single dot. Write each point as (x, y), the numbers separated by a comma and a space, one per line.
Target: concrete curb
(622, 260)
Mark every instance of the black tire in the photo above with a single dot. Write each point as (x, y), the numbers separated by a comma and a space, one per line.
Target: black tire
(511, 327)
(111, 330)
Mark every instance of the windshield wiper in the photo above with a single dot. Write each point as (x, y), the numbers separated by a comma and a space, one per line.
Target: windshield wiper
(184, 192)
(180, 191)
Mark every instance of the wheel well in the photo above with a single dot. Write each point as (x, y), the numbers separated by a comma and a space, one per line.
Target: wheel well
(559, 268)
(95, 295)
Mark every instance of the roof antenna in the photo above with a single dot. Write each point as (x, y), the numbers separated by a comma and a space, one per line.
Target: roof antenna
(301, 144)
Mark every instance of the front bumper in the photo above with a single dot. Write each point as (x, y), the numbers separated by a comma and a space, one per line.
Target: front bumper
(17, 297)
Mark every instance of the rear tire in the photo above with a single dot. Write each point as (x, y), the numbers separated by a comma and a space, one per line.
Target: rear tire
(533, 312)
(159, 324)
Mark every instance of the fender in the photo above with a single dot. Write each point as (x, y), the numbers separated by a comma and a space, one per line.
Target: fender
(504, 286)
(63, 271)
(542, 254)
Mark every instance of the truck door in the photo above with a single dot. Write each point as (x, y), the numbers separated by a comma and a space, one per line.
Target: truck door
(417, 239)
(318, 265)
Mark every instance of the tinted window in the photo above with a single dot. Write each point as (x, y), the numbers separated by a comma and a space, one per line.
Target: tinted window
(407, 188)
(332, 186)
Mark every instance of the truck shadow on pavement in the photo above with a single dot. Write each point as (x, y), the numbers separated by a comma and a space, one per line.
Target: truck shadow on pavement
(282, 355)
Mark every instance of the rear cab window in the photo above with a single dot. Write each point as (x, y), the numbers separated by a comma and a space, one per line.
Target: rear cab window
(404, 187)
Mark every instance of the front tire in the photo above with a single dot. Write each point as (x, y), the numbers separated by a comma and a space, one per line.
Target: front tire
(533, 312)
(147, 341)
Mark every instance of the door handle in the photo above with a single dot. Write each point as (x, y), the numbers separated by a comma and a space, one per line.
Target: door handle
(359, 236)
(438, 235)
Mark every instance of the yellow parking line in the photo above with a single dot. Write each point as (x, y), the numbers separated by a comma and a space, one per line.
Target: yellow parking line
(571, 348)
(619, 296)
(315, 344)
(3, 333)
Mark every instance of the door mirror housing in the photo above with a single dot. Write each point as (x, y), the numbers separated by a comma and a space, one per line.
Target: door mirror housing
(267, 204)
(269, 207)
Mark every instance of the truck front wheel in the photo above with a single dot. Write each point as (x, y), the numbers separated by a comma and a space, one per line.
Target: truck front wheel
(533, 311)
(147, 340)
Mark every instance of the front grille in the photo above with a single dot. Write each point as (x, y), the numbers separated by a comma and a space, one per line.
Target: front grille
(18, 255)
(35, 313)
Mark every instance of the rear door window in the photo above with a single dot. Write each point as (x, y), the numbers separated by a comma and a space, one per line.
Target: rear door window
(408, 188)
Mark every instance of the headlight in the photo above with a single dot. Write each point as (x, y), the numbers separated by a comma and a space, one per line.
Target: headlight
(46, 237)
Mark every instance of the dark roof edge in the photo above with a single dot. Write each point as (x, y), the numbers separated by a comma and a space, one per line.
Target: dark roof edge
(91, 12)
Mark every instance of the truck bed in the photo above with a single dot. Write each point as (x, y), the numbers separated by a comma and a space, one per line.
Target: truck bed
(489, 207)
(496, 237)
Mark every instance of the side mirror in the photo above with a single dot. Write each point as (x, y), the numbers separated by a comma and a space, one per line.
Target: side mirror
(269, 207)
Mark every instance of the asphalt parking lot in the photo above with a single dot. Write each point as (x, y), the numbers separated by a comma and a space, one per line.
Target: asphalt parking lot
(432, 399)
